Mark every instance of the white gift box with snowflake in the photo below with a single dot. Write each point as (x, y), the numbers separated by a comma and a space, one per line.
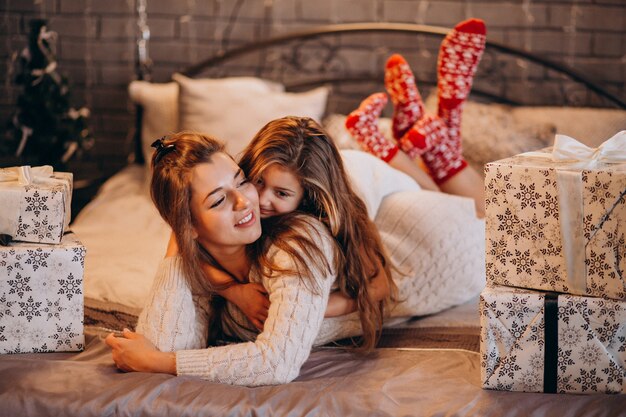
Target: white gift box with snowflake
(537, 341)
(41, 296)
(35, 203)
(557, 221)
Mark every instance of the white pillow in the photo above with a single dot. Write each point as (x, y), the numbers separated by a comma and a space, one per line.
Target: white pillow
(234, 111)
(160, 111)
(587, 125)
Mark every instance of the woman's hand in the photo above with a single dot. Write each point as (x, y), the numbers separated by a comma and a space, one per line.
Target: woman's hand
(251, 299)
(134, 353)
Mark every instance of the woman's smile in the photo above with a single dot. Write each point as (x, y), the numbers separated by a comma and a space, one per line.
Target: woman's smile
(247, 221)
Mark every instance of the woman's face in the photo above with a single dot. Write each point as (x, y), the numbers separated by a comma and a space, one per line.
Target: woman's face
(279, 190)
(224, 205)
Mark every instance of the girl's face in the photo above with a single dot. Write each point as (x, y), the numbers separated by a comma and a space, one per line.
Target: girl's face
(279, 190)
(224, 205)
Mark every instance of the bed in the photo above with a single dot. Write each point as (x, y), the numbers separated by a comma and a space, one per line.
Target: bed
(427, 365)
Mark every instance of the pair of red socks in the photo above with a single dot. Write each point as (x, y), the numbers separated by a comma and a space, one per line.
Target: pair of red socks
(437, 139)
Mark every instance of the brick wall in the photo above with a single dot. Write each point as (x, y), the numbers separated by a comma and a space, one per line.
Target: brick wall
(96, 46)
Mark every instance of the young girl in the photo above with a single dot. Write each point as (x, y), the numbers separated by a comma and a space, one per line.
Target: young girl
(296, 167)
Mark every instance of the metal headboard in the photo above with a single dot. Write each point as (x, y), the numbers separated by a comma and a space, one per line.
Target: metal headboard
(434, 31)
(292, 51)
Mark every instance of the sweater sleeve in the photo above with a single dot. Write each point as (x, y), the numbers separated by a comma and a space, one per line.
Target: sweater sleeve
(173, 318)
(297, 307)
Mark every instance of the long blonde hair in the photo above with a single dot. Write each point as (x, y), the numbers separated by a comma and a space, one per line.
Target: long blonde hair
(301, 146)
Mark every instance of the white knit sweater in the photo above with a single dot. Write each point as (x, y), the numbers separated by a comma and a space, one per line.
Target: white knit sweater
(174, 320)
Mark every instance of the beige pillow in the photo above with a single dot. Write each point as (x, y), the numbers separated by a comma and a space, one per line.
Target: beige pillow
(590, 126)
(160, 107)
(160, 103)
(233, 111)
(495, 131)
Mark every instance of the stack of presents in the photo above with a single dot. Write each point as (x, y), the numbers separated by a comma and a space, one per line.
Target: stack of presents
(553, 313)
(41, 263)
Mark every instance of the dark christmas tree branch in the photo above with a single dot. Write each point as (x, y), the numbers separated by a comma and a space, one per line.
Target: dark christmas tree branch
(44, 128)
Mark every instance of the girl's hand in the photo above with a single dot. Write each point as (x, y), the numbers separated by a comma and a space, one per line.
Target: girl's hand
(339, 304)
(251, 299)
(134, 353)
(377, 289)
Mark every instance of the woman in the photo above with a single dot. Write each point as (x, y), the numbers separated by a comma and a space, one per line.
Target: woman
(214, 213)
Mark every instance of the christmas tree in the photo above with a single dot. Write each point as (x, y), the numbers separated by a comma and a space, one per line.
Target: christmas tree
(44, 129)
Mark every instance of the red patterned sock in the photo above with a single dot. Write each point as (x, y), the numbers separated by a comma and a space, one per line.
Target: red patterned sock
(408, 107)
(430, 139)
(459, 56)
(362, 123)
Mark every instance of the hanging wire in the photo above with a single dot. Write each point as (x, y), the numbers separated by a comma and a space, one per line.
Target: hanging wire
(232, 19)
(144, 63)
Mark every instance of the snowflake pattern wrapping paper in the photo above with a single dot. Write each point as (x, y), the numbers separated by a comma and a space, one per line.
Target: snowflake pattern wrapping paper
(41, 297)
(544, 233)
(37, 209)
(580, 348)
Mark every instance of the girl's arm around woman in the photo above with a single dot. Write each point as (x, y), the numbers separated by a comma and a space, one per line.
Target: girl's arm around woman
(297, 306)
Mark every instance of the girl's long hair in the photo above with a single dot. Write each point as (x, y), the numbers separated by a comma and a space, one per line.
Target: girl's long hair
(300, 145)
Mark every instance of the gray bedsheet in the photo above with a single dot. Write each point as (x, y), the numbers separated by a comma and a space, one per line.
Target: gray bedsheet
(395, 382)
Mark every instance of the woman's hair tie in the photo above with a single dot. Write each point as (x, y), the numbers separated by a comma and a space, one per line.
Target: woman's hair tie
(161, 149)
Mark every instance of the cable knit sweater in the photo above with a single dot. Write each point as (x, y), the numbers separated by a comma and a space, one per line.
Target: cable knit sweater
(176, 320)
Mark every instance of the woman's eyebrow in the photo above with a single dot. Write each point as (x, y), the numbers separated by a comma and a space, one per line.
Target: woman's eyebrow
(218, 189)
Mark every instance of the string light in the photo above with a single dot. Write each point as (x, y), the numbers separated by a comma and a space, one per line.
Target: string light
(144, 63)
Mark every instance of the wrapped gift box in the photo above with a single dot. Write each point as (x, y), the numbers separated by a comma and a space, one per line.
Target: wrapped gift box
(41, 296)
(538, 341)
(558, 224)
(35, 203)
